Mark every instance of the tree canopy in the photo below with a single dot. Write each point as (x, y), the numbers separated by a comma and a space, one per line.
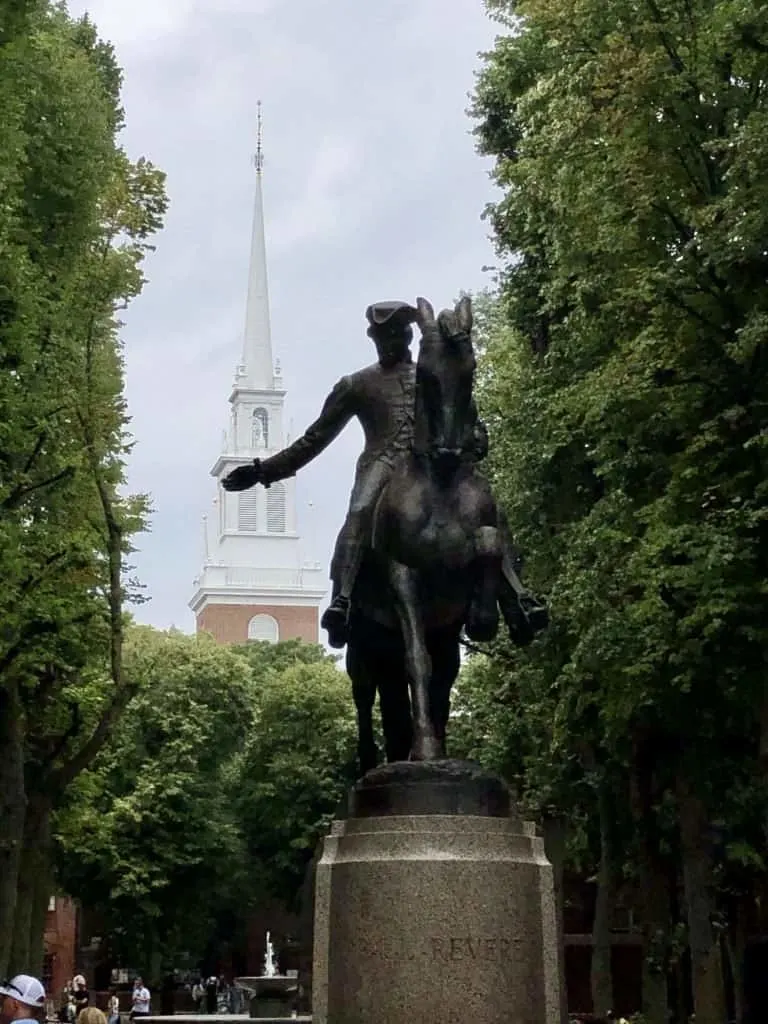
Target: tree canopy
(76, 216)
(624, 381)
(211, 794)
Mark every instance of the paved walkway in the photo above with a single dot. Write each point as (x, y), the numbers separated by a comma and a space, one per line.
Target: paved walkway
(219, 1018)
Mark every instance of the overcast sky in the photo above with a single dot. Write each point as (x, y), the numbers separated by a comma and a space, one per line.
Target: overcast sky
(372, 191)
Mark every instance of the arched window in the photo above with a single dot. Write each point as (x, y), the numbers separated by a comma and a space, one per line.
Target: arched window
(264, 628)
(260, 429)
(248, 511)
(276, 509)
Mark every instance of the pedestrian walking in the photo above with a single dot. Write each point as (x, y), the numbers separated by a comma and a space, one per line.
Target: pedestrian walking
(140, 1000)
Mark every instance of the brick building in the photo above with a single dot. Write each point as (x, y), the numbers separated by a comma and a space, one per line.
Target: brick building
(60, 944)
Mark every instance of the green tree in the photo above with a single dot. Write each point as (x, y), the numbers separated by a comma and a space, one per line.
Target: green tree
(299, 761)
(264, 657)
(149, 837)
(211, 793)
(75, 217)
(629, 395)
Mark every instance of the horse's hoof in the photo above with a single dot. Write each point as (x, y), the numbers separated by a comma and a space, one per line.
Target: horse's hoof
(525, 618)
(368, 759)
(538, 617)
(427, 748)
(482, 628)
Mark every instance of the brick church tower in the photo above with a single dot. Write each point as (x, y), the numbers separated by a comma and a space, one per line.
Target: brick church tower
(254, 584)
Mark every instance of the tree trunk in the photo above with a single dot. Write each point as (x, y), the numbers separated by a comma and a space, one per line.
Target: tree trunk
(601, 978)
(737, 948)
(706, 956)
(655, 906)
(12, 812)
(42, 892)
(34, 888)
(554, 847)
(656, 922)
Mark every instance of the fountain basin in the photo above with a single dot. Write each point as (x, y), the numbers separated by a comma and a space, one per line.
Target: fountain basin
(270, 995)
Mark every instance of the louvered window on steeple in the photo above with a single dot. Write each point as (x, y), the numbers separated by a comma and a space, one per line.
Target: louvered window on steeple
(248, 511)
(276, 509)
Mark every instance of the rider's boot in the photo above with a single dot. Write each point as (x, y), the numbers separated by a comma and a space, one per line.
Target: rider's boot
(336, 616)
(336, 621)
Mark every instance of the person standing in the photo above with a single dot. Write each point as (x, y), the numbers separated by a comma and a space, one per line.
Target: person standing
(113, 1007)
(21, 999)
(198, 995)
(140, 1000)
(211, 994)
(80, 993)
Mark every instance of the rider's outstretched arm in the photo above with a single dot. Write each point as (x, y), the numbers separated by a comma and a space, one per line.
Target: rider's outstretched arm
(339, 408)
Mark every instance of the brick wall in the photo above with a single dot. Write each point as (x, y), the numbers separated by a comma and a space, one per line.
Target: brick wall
(60, 944)
(228, 623)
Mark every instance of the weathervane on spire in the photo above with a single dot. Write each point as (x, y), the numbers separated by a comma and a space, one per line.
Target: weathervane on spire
(259, 158)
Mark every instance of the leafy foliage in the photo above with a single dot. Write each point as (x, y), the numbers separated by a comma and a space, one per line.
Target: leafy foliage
(624, 381)
(298, 763)
(75, 221)
(212, 793)
(150, 834)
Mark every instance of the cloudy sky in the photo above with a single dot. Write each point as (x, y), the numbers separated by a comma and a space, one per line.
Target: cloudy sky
(372, 191)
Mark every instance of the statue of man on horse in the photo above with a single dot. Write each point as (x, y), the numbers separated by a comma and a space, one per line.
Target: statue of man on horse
(423, 545)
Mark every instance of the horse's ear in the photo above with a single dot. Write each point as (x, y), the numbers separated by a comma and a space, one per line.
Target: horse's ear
(464, 314)
(426, 312)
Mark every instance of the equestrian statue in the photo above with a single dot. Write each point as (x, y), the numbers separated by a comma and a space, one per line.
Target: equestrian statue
(424, 553)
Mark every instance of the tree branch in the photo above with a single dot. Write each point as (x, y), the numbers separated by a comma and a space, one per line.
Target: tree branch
(123, 692)
(67, 772)
(16, 496)
(59, 745)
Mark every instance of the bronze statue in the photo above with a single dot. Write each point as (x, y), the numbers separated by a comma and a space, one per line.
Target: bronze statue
(423, 551)
(381, 396)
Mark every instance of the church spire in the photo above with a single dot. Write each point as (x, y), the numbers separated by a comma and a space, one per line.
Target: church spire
(256, 368)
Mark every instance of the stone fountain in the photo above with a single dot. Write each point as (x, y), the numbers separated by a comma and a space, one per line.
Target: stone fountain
(271, 994)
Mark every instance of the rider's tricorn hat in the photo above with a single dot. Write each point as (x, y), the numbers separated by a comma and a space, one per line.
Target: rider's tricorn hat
(397, 314)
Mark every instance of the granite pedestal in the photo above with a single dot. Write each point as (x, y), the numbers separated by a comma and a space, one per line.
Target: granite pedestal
(434, 903)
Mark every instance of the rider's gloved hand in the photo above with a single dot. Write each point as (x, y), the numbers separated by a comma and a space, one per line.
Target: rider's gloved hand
(243, 477)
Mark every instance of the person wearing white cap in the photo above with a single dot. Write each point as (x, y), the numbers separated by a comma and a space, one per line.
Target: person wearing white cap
(21, 999)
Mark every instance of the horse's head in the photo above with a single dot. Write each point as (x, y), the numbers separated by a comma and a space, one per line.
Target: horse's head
(445, 370)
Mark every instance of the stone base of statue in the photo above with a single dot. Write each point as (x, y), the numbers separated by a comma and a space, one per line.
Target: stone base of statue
(434, 903)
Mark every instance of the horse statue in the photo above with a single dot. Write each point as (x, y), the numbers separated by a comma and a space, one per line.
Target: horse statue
(437, 563)
(424, 552)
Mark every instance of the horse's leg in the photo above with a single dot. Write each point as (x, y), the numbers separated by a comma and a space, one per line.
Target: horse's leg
(483, 616)
(444, 650)
(524, 615)
(418, 664)
(364, 695)
(395, 707)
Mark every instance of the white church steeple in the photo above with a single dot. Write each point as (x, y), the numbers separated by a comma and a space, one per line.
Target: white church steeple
(254, 583)
(256, 366)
